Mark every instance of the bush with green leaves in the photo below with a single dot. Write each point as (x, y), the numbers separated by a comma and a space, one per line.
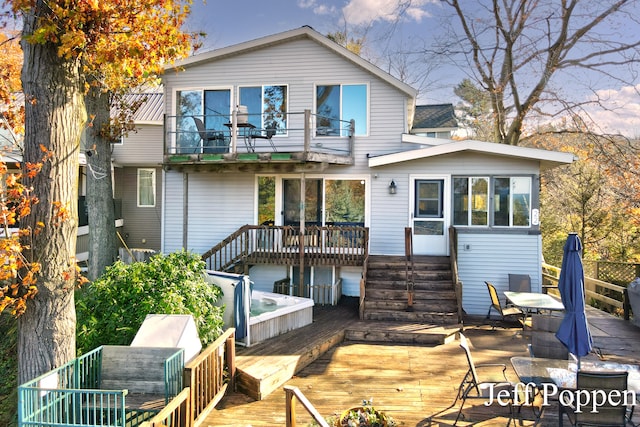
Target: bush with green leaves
(111, 309)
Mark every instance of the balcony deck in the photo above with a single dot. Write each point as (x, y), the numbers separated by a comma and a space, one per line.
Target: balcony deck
(240, 145)
(411, 383)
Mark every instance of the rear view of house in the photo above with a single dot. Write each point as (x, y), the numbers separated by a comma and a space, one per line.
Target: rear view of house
(296, 161)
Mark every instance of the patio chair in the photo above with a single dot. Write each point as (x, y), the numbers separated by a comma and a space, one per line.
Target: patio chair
(269, 133)
(504, 312)
(473, 387)
(212, 141)
(608, 414)
(519, 282)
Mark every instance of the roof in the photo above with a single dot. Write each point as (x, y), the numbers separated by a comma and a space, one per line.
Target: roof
(151, 109)
(304, 32)
(439, 147)
(435, 116)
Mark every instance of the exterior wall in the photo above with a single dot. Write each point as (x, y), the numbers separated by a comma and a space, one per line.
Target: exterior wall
(491, 257)
(301, 64)
(141, 147)
(390, 213)
(142, 225)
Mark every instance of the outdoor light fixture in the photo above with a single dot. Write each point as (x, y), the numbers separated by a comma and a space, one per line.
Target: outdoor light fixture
(392, 187)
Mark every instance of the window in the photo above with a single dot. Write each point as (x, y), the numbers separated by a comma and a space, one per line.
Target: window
(266, 106)
(428, 199)
(512, 200)
(511, 205)
(212, 106)
(471, 201)
(337, 105)
(146, 188)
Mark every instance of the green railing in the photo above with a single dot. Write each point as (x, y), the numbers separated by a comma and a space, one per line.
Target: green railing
(70, 396)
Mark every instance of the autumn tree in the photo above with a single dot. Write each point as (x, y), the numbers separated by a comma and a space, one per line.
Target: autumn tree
(521, 51)
(67, 48)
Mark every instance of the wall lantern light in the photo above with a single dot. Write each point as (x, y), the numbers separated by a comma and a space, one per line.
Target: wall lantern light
(392, 187)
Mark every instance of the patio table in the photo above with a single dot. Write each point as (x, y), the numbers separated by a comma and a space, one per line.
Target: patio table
(546, 374)
(533, 302)
(562, 373)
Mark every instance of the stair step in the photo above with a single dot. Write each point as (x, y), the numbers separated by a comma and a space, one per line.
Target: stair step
(401, 294)
(402, 332)
(401, 305)
(433, 285)
(437, 318)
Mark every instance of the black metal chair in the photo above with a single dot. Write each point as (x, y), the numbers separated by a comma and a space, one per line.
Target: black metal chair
(269, 133)
(608, 413)
(212, 141)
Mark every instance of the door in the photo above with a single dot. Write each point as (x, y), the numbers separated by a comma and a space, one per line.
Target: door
(430, 215)
(312, 202)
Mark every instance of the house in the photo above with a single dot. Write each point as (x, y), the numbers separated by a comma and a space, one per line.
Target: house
(291, 136)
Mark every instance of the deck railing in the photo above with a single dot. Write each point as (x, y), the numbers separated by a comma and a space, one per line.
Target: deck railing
(206, 379)
(257, 133)
(291, 395)
(318, 245)
(607, 295)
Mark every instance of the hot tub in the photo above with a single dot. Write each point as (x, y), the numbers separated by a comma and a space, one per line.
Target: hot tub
(274, 314)
(266, 314)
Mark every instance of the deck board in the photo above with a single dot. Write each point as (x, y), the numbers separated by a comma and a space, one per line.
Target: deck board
(411, 382)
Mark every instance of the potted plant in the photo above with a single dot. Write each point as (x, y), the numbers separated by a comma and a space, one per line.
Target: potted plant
(363, 415)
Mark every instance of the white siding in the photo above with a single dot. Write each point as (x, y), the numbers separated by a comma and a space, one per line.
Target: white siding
(141, 147)
(172, 212)
(301, 64)
(218, 204)
(492, 257)
(390, 212)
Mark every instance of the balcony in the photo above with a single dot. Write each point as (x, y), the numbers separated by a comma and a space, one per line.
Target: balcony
(236, 141)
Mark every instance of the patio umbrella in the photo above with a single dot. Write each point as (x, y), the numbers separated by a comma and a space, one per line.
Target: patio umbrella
(574, 329)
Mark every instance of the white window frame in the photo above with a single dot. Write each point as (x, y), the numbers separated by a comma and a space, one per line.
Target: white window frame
(139, 187)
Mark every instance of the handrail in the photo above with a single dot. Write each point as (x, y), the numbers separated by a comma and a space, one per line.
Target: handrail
(453, 257)
(181, 136)
(261, 244)
(205, 375)
(175, 413)
(292, 392)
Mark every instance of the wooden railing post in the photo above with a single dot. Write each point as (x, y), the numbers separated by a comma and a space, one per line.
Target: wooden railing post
(626, 305)
(293, 392)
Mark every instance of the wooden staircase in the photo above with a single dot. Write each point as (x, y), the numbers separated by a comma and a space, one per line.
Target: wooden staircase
(432, 317)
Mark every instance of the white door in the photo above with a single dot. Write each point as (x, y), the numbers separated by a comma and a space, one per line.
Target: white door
(430, 215)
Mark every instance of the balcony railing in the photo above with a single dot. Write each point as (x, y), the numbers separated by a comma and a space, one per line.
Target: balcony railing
(289, 136)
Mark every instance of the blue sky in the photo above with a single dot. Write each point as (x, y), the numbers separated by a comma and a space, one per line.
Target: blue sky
(231, 22)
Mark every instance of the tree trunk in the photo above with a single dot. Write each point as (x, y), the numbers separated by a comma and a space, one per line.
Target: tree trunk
(103, 244)
(54, 118)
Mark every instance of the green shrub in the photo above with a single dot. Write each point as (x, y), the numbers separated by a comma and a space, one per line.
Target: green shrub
(8, 370)
(111, 309)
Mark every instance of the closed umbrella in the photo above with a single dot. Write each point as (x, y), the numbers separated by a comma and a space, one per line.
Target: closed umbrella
(574, 329)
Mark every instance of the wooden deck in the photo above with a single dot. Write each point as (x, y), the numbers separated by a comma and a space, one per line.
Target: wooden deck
(413, 383)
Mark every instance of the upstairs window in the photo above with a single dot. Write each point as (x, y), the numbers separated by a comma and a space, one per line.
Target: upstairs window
(266, 106)
(212, 106)
(336, 105)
